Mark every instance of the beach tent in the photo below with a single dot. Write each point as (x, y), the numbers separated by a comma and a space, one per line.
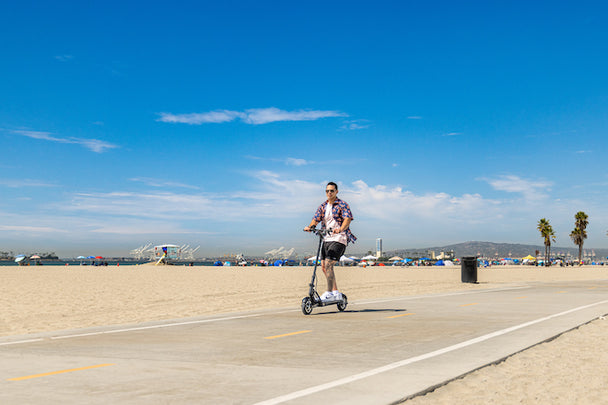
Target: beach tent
(369, 257)
(218, 263)
(345, 259)
(529, 258)
(440, 263)
(278, 263)
(448, 263)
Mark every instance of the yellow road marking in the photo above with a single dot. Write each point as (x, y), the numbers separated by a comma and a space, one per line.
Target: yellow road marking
(288, 334)
(27, 377)
(468, 305)
(519, 298)
(399, 316)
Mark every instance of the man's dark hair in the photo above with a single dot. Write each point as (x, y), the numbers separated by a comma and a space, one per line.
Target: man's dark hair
(331, 183)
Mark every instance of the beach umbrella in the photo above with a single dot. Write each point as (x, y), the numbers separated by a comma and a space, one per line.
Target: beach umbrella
(406, 260)
(369, 257)
(98, 257)
(440, 263)
(81, 257)
(90, 257)
(35, 257)
(218, 263)
(19, 258)
(424, 258)
(346, 259)
(395, 258)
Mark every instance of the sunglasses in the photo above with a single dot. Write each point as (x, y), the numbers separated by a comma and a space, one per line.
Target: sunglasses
(330, 191)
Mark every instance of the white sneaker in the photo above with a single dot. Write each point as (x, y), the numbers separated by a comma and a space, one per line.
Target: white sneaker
(327, 296)
(337, 295)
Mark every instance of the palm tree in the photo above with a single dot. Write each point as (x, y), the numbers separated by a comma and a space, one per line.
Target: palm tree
(579, 234)
(546, 232)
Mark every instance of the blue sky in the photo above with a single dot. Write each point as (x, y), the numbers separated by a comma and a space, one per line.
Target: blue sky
(219, 123)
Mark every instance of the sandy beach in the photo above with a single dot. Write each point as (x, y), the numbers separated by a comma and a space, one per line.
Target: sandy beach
(570, 369)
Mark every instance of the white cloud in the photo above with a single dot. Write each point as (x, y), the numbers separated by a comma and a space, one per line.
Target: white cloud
(30, 229)
(289, 161)
(154, 182)
(64, 58)
(94, 145)
(215, 117)
(274, 206)
(453, 134)
(532, 190)
(15, 183)
(296, 162)
(253, 116)
(267, 115)
(355, 124)
(395, 203)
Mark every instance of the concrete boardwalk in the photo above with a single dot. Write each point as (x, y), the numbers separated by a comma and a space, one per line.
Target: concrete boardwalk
(376, 352)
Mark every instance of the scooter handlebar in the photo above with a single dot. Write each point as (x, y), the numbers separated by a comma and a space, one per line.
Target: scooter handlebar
(320, 231)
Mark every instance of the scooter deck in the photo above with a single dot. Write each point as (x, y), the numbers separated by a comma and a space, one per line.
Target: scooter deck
(327, 302)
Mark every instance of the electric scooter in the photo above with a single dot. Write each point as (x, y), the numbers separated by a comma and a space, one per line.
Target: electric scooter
(313, 299)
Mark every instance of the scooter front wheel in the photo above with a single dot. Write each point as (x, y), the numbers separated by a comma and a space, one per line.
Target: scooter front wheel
(306, 306)
(342, 304)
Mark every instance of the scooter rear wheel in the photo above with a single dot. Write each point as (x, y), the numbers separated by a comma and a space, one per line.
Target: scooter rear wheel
(342, 305)
(306, 306)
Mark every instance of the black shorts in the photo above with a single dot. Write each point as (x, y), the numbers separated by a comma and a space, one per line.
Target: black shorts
(332, 250)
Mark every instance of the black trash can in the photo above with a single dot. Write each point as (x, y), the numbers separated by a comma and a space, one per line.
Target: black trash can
(468, 270)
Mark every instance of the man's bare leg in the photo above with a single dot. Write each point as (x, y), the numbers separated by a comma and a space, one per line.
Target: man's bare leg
(328, 268)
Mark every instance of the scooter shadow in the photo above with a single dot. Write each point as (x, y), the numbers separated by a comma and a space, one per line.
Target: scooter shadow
(361, 311)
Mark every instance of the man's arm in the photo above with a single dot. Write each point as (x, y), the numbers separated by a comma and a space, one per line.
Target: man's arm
(344, 226)
(313, 223)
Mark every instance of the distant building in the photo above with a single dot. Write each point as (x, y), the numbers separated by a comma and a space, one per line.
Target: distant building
(379, 247)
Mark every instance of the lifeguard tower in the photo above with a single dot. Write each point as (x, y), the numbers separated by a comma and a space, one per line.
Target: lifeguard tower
(166, 253)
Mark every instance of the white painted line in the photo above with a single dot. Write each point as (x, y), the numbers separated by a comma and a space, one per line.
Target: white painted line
(167, 325)
(392, 366)
(416, 297)
(20, 341)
